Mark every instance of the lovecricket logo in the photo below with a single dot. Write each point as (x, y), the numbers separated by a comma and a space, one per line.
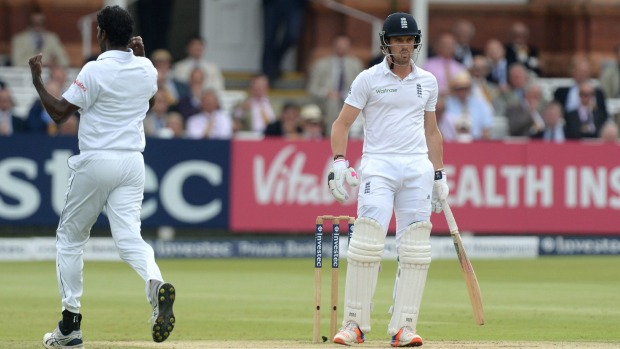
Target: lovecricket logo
(386, 90)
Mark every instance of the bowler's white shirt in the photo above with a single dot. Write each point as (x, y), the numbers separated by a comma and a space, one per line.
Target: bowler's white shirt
(394, 108)
(113, 93)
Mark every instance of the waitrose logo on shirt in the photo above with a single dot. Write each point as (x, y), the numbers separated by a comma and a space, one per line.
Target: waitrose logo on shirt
(386, 90)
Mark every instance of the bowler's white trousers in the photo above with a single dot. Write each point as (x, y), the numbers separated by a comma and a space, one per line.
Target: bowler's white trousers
(110, 180)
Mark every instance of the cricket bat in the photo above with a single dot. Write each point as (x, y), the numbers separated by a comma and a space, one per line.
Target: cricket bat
(468, 271)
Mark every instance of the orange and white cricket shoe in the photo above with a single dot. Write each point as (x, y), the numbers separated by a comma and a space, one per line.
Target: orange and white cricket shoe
(349, 334)
(406, 337)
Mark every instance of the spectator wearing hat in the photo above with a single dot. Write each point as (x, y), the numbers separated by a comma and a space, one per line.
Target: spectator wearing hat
(468, 110)
(174, 89)
(312, 122)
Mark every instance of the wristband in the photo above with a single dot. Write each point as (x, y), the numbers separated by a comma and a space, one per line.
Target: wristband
(438, 174)
(336, 157)
(340, 163)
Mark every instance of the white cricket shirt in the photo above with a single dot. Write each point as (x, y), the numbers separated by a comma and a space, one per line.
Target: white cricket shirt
(393, 108)
(113, 93)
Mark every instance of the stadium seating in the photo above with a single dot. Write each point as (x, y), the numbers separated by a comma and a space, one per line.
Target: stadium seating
(19, 81)
(20, 84)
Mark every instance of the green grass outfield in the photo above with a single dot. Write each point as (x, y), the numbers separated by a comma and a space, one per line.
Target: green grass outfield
(555, 299)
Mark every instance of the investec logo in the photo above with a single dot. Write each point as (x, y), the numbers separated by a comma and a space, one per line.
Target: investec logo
(386, 90)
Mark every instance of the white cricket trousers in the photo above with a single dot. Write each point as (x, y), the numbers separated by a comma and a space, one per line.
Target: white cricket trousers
(110, 180)
(399, 184)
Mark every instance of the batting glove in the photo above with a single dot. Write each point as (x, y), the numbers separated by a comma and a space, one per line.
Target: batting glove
(337, 175)
(440, 191)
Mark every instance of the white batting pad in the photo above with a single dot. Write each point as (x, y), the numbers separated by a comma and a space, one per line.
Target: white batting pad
(364, 258)
(414, 258)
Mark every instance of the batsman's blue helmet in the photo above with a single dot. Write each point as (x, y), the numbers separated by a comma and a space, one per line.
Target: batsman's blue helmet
(400, 24)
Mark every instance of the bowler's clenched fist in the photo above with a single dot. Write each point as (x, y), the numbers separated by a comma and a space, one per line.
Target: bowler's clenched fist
(36, 67)
(137, 45)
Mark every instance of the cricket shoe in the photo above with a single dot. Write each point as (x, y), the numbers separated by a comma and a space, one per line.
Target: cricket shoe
(406, 337)
(57, 339)
(162, 321)
(349, 334)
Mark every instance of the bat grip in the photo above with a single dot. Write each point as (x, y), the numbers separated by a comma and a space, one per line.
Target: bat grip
(454, 229)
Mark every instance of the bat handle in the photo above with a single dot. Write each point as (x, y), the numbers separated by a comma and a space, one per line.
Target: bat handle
(454, 229)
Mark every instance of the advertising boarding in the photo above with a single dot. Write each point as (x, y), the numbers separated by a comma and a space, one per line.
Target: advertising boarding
(521, 187)
(186, 181)
(279, 186)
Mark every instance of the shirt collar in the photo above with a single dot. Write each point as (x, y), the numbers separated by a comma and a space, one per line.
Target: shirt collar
(385, 68)
(125, 55)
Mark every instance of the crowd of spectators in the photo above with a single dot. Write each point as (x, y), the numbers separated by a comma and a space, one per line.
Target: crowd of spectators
(480, 87)
(37, 120)
(190, 109)
(187, 104)
(501, 85)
